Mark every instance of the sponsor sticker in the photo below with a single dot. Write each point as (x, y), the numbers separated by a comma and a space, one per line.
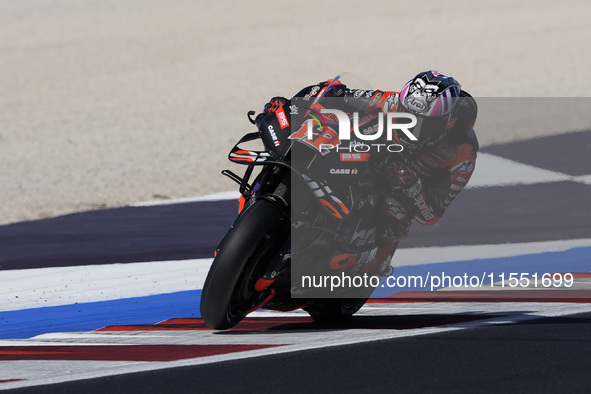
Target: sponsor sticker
(355, 156)
(282, 118)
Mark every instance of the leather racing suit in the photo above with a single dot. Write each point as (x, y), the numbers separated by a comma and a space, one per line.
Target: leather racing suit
(422, 182)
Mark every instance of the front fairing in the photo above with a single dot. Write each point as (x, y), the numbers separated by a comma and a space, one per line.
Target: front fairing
(275, 132)
(335, 171)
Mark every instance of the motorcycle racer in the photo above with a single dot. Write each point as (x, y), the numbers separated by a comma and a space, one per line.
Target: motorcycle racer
(424, 178)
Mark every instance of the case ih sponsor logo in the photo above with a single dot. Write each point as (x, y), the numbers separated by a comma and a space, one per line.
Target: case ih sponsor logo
(343, 171)
(273, 135)
(283, 122)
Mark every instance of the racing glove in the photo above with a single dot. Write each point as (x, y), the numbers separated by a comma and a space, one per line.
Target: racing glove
(402, 178)
(271, 107)
(274, 104)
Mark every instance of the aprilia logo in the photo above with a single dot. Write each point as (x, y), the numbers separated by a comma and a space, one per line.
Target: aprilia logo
(426, 209)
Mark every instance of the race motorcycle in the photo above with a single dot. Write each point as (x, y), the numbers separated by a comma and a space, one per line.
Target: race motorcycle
(308, 213)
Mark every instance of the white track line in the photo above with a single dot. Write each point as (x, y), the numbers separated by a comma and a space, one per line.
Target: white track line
(45, 372)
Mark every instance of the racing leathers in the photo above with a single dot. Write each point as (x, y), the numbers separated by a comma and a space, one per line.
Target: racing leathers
(420, 182)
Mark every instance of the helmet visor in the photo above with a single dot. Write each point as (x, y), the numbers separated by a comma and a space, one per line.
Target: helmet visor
(429, 127)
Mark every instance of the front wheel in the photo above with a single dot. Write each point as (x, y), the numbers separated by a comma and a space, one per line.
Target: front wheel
(255, 239)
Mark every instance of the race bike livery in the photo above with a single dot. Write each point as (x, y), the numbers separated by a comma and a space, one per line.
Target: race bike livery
(307, 216)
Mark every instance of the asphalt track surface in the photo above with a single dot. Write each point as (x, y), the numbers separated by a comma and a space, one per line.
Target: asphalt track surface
(532, 355)
(539, 356)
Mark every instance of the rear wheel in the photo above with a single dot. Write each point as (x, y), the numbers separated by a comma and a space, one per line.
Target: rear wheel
(255, 239)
